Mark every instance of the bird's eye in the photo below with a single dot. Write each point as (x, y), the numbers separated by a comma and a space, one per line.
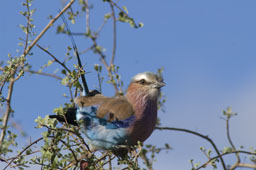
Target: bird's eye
(142, 81)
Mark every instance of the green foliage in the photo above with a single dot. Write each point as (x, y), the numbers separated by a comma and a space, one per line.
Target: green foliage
(123, 17)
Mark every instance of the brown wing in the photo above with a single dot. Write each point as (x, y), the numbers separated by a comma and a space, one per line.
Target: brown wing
(114, 108)
(117, 108)
(85, 101)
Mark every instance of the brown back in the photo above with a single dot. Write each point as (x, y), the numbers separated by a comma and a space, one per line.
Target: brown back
(115, 108)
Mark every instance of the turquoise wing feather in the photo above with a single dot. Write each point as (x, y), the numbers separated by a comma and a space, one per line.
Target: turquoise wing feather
(102, 133)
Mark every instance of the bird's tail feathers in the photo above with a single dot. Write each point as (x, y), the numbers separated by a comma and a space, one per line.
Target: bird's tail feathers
(69, 117)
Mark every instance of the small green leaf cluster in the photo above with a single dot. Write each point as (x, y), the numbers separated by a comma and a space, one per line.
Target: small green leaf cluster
(228, 113)
(123, 17)
(115, 78)
(10, 140)
(148, 153)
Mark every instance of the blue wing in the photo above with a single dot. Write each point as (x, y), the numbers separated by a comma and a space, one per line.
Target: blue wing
(102, 133)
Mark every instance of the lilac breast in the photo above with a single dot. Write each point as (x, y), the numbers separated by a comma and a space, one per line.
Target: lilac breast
(145, 123)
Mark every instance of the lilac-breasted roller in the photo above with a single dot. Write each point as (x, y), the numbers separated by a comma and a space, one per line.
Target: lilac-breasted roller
(110, 123)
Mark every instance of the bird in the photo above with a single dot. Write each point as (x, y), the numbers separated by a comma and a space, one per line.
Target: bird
(110, 123)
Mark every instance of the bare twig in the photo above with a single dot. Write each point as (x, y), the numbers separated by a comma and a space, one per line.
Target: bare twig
(200, 135)
(109, 164)
(51, 22)
(42, 73)
(114, 32)
(238, 160)
(244, 165)
(87, 16)
(55, 59)
(100, 28)
(87, 49)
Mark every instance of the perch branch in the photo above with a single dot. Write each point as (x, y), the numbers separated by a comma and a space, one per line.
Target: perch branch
(200, 135)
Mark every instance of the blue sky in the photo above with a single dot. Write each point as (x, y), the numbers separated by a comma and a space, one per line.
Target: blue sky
(207, 49)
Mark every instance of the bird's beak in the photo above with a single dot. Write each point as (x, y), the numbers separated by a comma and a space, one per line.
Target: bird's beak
(158, 85)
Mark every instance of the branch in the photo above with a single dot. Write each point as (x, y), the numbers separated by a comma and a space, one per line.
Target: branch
(55, 59)
(42, 73)
(87, 16)
(70, 131)
(23, 151)
(51, 22)
(69, 148)
(7, 112)
(231, 143)
(245, 165)
(28, 25)
(119, 8)
(114, 32)
(4, 81)
(87, 49)
(228, 153)
(200, 135)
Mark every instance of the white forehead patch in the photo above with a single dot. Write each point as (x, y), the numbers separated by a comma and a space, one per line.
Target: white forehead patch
(148, 76)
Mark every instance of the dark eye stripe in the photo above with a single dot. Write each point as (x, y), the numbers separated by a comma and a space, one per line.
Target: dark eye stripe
(143, 82)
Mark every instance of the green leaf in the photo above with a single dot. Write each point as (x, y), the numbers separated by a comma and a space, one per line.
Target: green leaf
(49, 63)
(125, 9)
(141, 24)
(167, 146)
(63, 71)
(65, 81)
(60, 29)
(227, 150)
(107, 16)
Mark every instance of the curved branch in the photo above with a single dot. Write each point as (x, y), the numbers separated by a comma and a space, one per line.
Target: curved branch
(200, 135)
(51, 22)
(232, 144)
(55, 59)
(228, 153)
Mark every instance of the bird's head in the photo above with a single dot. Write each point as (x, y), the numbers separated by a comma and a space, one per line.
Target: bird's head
(147, 84)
